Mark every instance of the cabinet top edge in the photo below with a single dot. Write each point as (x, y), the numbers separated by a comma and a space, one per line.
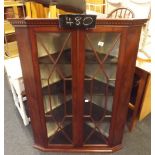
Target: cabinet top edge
(50, 22)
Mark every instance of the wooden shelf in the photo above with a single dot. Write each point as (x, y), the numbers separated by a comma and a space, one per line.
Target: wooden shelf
(57, 88)
(91, 58)
(110, 70)
(59, 137)
(96, 137)
(46, 69)
(58, 112)
(98, 88)
(12, 3)
(64, 59)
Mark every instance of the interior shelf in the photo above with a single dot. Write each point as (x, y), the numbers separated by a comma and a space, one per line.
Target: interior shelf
(91, 58)
(96, 137)
(58, 88)
(110, 70)
(58, 112)
(60, 137)
(98, 86)
(98, 92)
(109, 67)
(65, 57)
(61, 71)
(97, 111)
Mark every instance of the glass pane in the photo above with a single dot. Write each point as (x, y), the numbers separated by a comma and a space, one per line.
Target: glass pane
(101, 50)
(54, 56)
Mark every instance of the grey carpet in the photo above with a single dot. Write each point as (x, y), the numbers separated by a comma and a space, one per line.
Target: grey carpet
(19, 140)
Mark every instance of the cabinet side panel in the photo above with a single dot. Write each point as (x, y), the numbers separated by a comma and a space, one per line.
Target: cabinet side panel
(126, 67)
(30, 77)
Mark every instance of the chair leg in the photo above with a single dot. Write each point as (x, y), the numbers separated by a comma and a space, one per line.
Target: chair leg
(23, 111)
(14, 94)
(18, 100)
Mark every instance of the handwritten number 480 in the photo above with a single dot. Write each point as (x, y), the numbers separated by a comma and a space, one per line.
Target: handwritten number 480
(78, 21)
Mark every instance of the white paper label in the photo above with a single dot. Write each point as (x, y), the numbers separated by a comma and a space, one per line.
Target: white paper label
(86, 100)
(101, 43)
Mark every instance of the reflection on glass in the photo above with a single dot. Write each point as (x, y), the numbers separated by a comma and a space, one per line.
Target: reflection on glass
(101, 54)
(54, 56)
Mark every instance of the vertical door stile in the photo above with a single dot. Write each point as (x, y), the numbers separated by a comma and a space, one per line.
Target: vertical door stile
(78, 85)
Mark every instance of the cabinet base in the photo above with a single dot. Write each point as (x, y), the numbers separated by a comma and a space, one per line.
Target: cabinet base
(78, 149)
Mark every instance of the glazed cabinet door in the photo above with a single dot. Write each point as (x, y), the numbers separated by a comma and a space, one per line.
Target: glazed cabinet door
(101, 60)
(78, 75)
(55, 67)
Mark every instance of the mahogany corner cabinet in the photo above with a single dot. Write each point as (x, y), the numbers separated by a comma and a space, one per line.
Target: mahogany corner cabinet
(78, 81)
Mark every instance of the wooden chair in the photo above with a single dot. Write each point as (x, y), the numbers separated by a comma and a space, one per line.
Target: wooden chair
(121, 13)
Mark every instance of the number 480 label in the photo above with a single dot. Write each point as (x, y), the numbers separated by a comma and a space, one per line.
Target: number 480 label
(77, 21)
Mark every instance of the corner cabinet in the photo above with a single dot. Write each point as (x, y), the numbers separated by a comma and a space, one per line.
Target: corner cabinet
(78, 82)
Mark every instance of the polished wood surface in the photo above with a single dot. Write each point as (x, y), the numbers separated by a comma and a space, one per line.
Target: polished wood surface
(140, 100)
(146, 102)
(103, 22)
(125, 74)
(85, 149)
(136, 103)
(78, 85)
(32, 83)
(130, 34)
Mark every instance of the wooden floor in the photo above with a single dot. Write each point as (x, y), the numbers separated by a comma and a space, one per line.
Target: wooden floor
(19, 141)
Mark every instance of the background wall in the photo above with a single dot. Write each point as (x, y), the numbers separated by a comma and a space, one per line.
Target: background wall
(141, 8)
